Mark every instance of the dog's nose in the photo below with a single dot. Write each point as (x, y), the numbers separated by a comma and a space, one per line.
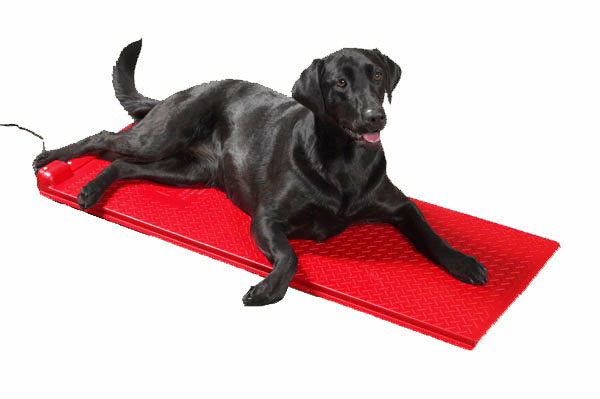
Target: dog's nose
(376, 116)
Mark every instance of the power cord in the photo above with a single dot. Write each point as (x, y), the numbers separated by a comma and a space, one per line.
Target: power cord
(27, 130)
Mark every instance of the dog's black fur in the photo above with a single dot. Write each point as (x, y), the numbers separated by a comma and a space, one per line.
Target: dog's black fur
(302, 167)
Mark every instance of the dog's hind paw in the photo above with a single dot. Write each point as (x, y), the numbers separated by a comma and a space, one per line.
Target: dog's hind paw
(262, 294)
(43, 159)
(467, 269)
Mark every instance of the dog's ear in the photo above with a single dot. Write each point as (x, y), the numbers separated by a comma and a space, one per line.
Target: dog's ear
(307, 89)
(392, 73)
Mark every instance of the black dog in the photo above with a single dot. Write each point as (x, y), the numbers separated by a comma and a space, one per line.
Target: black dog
(302, 167)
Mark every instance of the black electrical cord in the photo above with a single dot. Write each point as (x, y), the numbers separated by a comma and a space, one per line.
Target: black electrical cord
(27, 130)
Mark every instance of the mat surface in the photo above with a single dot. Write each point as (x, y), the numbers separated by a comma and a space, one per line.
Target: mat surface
(371, 268)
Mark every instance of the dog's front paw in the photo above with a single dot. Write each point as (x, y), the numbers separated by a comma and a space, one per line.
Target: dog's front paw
(89, 195)
(263, 293)
(466, 269)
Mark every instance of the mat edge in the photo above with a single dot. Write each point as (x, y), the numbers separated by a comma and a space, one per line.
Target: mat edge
(524, 281)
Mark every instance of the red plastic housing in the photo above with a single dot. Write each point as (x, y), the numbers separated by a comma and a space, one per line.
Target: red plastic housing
(371, 268)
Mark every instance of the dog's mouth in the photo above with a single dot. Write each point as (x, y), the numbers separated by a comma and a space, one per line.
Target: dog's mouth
(370, 137)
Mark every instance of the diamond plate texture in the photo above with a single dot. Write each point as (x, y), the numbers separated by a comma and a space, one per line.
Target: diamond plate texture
(371, 268)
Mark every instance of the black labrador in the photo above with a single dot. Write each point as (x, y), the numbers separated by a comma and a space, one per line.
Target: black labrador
(302, 167)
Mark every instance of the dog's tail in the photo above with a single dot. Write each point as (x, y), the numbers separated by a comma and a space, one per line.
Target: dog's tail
(134, 103)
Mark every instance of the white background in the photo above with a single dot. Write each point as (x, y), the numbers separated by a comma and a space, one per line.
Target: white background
(496, 115)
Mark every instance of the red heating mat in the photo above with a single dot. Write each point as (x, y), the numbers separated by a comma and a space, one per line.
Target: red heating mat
(371, 268)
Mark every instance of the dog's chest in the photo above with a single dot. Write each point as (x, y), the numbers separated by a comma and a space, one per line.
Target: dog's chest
(316, 223)
(326, 211)
(325, 216)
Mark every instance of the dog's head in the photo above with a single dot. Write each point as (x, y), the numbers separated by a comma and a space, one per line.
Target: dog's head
(348, 88)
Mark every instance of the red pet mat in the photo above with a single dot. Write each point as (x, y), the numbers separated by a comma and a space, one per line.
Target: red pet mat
(372, 268)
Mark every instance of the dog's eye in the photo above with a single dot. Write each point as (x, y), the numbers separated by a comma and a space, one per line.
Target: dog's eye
(341, 83)
(378, 75)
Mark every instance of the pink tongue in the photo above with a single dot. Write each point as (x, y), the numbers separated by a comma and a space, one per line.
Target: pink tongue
(371, 137)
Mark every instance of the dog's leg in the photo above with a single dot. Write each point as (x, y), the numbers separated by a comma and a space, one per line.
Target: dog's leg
(406, 217)
(429, 243)
(171, 171)
(92, 144)
(138, 143)
(272, 241)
